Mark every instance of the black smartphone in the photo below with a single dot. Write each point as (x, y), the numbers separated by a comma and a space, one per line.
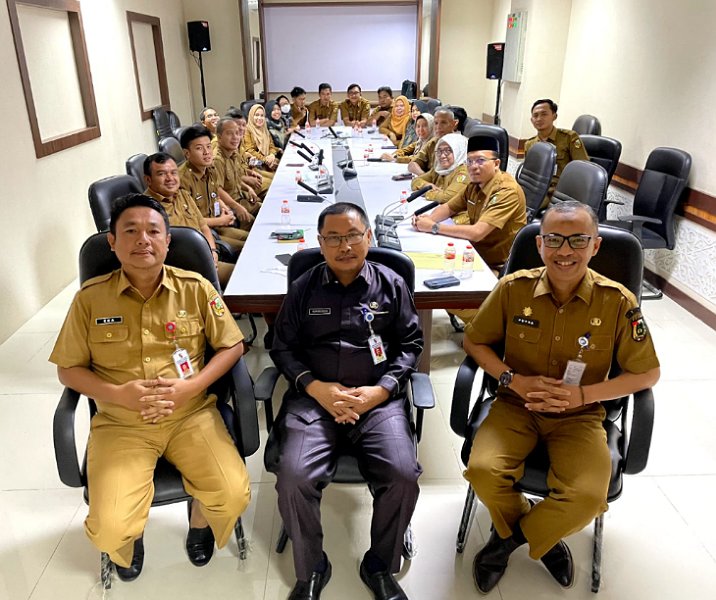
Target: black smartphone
(283, 259)
(441, 282)
(402, 176)
(309, 198)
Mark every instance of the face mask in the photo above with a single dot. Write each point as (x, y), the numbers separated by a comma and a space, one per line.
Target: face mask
(286, 108)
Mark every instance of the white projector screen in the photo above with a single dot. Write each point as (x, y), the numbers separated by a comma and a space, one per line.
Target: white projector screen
(369, 45)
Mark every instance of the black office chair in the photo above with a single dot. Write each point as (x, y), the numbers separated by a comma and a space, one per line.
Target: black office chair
(661, 186)
(587, 124)
(619, 258)
(409, 89)
(174, 122)
(604, 151)
(460, 115)
(583, 181)
(500, 134)
(181, 129)
(102, 192)
(535, 174)
(173, 148)
(470, 126)
(236, 392)
(246, 105)
(431, 104)
(135, 167)
(162, 125)
(420, 390)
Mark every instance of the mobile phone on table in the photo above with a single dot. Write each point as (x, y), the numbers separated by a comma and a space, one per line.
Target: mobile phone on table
(441, 282)
(402, 177)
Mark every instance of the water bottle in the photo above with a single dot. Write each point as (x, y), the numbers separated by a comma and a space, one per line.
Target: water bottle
(449, 258)
(403, 208)
(298, 177)
(468, 261)
(301, 245)
(307, 129)
(285, 213)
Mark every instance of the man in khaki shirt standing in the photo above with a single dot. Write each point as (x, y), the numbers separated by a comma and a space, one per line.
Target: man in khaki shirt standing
(567, 143)
(323, 112)
(595, 320)
(120, 345)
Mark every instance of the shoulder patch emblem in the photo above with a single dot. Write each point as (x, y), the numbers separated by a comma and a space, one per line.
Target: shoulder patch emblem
(577, 144)
(639, 330)
(461, 178)
(493, 199)
(217, 306)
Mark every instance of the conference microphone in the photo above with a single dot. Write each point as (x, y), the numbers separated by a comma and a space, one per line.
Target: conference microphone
(315, 197)
(425, 208)
(417, 193)
(320, 157)
(299, 133)
(335, 135)
(295, 144)
(307, 149)
(304, 157)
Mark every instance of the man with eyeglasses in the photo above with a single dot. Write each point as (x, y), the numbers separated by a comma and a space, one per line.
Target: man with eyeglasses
(346, 338)
(560, 326)
(355, 109)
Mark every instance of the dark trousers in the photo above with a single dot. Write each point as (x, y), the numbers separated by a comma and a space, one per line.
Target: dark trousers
(387, 460)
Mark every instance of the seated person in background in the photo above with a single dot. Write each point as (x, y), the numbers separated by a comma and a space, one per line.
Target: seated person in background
(385, 105)
(448, 177)
(285, 107)
(257, 145)
(161, 176)
(567, 143)
(416, 107)
(259, 180)
(342, 391)
(423, 132)
(115, 326)
(208, 117)
(460, 115)
(396, 124)
(355, 109)
(276, 125)
(535, 402)
(231, 175)
(444, 122)
(198, 177)
(299, 112)
(323, 112)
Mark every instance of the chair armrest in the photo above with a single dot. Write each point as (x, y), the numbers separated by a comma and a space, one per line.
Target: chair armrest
(461, 395)
(639, 439)
(639, 219)
(613, 202)
(63, 433)
(247, 419)
(263, 389)
(422, 391)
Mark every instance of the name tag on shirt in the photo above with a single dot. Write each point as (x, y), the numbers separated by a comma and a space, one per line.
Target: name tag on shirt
(182, 362)
(574, 371)
(108, 320)
(318, 312)
(377, 351)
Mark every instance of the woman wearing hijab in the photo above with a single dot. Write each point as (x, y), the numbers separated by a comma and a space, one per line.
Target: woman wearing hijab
(423, 131)
(276, 125)
(258, 143)
(410, 136)
(448, 177)
(395, 125)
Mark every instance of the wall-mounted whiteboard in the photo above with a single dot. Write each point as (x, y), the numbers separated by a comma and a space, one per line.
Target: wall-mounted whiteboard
(369, 45)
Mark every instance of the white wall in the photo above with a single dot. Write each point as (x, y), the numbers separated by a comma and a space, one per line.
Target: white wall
(46, 215)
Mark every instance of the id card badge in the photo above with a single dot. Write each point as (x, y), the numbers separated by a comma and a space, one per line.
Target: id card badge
(375, 343)
(573, 373)
(217, 208)
(182, 362)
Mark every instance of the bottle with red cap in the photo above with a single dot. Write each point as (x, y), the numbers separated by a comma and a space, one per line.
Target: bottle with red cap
(449, 258)
(468, 261)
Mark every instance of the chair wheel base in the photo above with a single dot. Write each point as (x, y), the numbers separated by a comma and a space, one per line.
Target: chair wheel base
(410, 549)
(105, 571)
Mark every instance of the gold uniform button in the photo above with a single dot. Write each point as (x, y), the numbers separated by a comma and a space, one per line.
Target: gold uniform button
(147, 359)
(560, 311)
(109, 335)
(146, 332)
(522, 335)
(554, 362)
(183, 329)
(557, 338)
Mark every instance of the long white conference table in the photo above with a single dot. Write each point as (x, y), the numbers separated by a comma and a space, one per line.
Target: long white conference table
(258, 283)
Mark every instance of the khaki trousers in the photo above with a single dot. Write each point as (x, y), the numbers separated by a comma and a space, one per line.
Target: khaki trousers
(232, 236)
(578, 478)
(120, 466)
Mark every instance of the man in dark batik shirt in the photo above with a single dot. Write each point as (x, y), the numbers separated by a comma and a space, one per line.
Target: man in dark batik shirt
(347, 339)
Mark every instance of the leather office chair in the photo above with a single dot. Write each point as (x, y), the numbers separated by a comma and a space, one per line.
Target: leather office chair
(135, 167)
(162, 125)
(409, 89)
(470, 126)
(619, 258)
(235, 390)
(246, 105)
(432, 104)
(604, 151)
(587, 124)
(420, 390)
(172, 147)
(102, 192)
(174, 122)
(583, 181)
(500, 134)
(661, 186)
(180, 130)
(535, 175)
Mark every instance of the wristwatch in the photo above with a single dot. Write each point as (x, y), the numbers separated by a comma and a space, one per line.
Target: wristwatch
(506, 378)
(435, 229)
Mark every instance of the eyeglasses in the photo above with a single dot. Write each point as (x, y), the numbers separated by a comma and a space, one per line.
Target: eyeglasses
(334, 241)
(443, 151)
(578, 241)
(480, 160)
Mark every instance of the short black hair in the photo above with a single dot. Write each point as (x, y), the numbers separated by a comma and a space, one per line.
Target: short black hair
(552, 104)
(119, 205)
(342, 208)
(297, 91)
(569, 207)
(235, 113)
(460, 114)
(222, 123)
(158, 157)
(202, 114)
(191, 133)
(352, 85)
(324, 86)
(284, 96)
(386, 89)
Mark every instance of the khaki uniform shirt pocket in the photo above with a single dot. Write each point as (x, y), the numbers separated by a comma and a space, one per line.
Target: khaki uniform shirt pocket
(108, 346)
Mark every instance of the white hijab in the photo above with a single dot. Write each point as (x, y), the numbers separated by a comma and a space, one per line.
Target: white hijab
(458, 145)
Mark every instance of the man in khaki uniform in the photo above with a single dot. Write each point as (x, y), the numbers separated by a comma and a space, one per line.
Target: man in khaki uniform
(161, 176)
(198, 177)
(118, 346)
(594, 319)
(299, 111)
(355, 109)
(323, 112)
(385, 105)
(260, 181)
(569, 146)
(444, 122)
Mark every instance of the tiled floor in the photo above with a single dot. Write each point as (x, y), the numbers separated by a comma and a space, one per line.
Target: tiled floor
(659, 537)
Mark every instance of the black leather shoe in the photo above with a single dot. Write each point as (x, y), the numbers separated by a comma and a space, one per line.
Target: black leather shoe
(131, 572)
(490, 562)
(382, 584)
(559, 563)
(200, 545)
(311, 589)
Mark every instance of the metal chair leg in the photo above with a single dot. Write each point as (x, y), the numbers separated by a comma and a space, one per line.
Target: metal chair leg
(654, 292)
(597, 557)
(241, 540)
(105, 570)
(468, 514)
(410, 548)
(282, 539)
